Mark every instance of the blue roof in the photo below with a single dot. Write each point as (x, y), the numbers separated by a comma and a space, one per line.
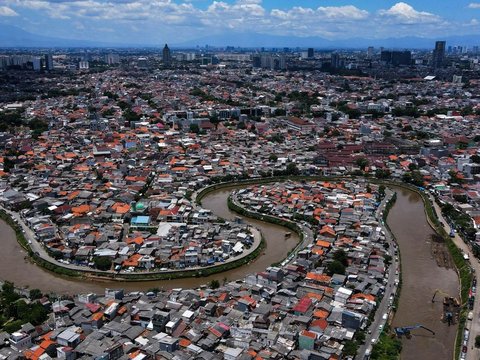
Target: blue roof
(140, 220)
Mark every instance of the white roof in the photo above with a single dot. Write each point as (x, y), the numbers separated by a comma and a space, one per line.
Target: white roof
(188, 314)
(238, 247)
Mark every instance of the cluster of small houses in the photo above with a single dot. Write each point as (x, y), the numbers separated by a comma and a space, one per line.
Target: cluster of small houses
(297, 311)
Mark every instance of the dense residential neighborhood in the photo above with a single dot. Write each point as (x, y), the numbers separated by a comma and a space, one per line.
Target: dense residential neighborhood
(101, 170)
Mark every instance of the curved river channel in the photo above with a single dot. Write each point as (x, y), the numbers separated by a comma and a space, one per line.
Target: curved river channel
(420, 273)
(14, 267)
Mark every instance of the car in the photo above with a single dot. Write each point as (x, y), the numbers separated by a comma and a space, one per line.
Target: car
(385, 316)
(380, 327)
(373, 341)
(470, 315)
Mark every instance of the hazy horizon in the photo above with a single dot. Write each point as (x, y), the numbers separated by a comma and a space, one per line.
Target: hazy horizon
(177, 22)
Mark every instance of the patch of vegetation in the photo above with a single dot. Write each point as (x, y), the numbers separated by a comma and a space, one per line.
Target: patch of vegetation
(387, 348)
(16, 310)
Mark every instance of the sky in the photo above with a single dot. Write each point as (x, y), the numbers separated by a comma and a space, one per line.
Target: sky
(176, 21)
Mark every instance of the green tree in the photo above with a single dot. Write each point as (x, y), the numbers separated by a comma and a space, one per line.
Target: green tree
(413, 177)
(335, 267)
(273, 158)
(477, 341)
(350, 348)
(215, 121)
(214, 284)
(35, 294)
(241, 125)
(362, 163)
(102, 262)
(292, 169)
(341, 256)
(381, 190)
(194, 128)
(382, 173)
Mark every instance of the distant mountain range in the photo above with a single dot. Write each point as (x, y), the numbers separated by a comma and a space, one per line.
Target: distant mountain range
(14, 37)
(275, 41)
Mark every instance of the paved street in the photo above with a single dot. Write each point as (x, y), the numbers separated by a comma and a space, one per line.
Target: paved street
(390, 287)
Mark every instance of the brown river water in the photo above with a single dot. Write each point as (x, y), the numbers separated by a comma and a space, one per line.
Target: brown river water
(420, 274)
(421, 277)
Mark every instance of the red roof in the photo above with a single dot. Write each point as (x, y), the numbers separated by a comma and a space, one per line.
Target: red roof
(303, 305)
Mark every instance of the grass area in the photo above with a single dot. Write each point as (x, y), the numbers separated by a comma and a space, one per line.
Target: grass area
(387, 347)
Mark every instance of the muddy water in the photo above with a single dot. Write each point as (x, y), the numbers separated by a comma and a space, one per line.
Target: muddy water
(14, 267)
(421, 276)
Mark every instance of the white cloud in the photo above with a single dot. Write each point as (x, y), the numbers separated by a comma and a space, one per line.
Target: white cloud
(6, 11)
(474, 6)
(472, 22)
(348, 12)
(178, 19)
(404, 13)
(344, 13)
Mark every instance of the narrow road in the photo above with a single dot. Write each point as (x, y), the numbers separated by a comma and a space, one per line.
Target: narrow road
(41, 252)
(378, 323)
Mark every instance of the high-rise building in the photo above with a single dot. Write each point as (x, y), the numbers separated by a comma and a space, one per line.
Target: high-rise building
(167, 56)
(142, 63)
(438, 56)
(37, 63)
(256, 61)
(112, 59)
(370, 52)
(310, 53)
(48, 62)
(83, 65)
(270, 61)
(335, 60)
(396, 58)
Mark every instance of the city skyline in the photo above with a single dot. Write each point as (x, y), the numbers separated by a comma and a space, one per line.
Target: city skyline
(178, 22)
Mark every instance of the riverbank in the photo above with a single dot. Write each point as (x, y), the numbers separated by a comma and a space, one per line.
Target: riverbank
(41, 257)
(462, 267)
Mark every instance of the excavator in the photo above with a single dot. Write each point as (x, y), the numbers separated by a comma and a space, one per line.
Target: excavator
(401, 331)
(451, 307)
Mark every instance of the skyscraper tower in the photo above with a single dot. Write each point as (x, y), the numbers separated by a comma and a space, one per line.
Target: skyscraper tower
(335, 60)
(167, 57)
(438, 55)
(48, 62)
